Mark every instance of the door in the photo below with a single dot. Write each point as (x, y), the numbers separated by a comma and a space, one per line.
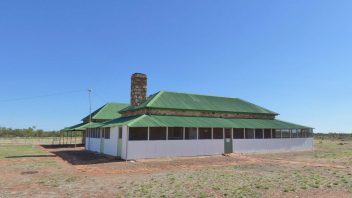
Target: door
(119, 142)
(228, 141)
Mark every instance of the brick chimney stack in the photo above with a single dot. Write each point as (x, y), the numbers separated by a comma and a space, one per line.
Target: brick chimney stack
(138, 88)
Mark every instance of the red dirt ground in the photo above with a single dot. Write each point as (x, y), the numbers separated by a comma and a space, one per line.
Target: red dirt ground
(89, 169)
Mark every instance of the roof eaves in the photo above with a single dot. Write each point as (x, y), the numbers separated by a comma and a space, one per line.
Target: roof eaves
(296, 124)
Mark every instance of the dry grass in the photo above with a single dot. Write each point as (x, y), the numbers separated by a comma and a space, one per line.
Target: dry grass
(326, 172)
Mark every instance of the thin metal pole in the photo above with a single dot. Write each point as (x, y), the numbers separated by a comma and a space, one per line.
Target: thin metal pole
(90, 105)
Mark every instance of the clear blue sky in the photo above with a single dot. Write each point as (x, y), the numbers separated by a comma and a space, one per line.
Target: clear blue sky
(293, 57)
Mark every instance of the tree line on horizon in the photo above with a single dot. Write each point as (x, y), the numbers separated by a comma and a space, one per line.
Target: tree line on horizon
(28, 132)
(332, 135)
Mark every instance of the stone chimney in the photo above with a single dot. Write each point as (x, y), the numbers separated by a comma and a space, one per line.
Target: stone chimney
(138, 88)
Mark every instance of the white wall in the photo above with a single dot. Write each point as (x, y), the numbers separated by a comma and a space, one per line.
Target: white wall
(110, 145)
(124, 142)
(270, 145)
(172, 148)
(86, 145)
(94, 145)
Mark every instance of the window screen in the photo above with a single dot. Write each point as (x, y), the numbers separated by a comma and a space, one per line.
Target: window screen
(285, 133)
(249, 133)
(190, 133)
(157, 133)
(218, 133)
(175, 133)
(204, 133)
(267, 133)
(238, 134)
(258, 133)
(107, 133)
(138, 133)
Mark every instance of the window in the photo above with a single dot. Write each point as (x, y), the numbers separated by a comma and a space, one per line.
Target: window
(294, 133)
(204, 133)
(258, 133)
(311, 134)
(249, 133)
(93, 132)
(218, 133)
(228, 133)
(285, 133)
(190, 133)
(276, 133)
(120, 132)
(238, 133)
(307, 132)
(107, 133)
(267, 133)
(138, 133)
(97, 132)
(299, 133)
(157, 133)
(175, 133)
(304, 133)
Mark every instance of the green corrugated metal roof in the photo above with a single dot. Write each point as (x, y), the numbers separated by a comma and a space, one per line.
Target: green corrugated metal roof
(120, 121)
(181, 121)
(93, 125)
(81, 127)
(107, 112)
(71, 128)
(183, 101)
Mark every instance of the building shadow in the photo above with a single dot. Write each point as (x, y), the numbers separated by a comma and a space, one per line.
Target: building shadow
(55, 146)
(83, 157)
(29, 156)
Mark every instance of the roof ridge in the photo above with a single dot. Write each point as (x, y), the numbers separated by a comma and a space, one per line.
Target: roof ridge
(155, 96)
(199, 94)
(137, 118)
(101, 109)
(117, 103)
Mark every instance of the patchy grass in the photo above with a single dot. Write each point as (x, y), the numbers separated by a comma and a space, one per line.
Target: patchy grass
(254, 180)
(30, 175)
(335, 152)
(18, 151)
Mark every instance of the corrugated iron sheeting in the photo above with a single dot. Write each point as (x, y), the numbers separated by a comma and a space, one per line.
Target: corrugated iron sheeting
(184, 101)
(180, 121)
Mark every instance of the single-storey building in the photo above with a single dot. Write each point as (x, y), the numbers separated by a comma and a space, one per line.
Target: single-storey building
(168, 124)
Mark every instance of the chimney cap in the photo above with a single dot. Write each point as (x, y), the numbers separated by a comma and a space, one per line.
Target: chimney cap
(139, 74)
